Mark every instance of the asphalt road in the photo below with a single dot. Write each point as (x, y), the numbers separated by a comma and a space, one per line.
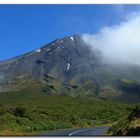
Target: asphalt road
(95, 131)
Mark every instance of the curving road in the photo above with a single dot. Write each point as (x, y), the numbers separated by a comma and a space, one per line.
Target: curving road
(96, 131)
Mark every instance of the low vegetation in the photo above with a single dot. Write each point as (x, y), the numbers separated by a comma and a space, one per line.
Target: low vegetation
(32, 112)
(128, 126)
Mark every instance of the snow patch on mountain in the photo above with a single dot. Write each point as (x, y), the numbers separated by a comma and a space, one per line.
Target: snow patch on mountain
(38, 50)
(72, 38)
(48, 50)
(68, 66)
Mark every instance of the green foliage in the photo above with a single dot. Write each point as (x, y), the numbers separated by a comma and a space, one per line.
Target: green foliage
(18, 111)
(88, 85)
(128, 126)
(72, 93)
(109, 92)
(42, 112)
(129, 85)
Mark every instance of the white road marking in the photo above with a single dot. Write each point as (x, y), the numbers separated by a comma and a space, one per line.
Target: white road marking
(78, 132)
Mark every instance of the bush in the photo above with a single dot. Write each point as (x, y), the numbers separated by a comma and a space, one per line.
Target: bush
(23, 121)
(17, 110)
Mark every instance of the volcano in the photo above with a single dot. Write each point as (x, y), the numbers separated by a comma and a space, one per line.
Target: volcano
(69, 66)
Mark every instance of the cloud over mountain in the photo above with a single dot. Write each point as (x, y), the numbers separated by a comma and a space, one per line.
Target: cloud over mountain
(118, 43)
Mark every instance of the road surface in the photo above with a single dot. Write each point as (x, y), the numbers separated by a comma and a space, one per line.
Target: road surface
(95, 131)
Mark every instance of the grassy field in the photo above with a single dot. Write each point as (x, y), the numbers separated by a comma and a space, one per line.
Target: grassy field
(29, 112)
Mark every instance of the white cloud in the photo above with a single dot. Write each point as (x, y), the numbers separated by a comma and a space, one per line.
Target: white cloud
(119, 43)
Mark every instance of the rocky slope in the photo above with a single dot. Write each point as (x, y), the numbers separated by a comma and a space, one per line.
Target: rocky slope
(68, 66)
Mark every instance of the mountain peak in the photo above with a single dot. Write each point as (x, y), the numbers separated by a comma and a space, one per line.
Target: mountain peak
(60, 59)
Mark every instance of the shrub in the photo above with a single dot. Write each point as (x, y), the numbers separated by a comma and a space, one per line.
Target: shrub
(17, 110)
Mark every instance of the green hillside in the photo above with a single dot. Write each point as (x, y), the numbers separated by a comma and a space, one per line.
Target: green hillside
(32, 111)
(129, 125)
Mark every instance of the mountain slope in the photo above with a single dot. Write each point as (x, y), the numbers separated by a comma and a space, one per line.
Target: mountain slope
(68, 66)
(61, 59)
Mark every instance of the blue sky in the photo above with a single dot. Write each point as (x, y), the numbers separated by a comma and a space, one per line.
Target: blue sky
(27, 27)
